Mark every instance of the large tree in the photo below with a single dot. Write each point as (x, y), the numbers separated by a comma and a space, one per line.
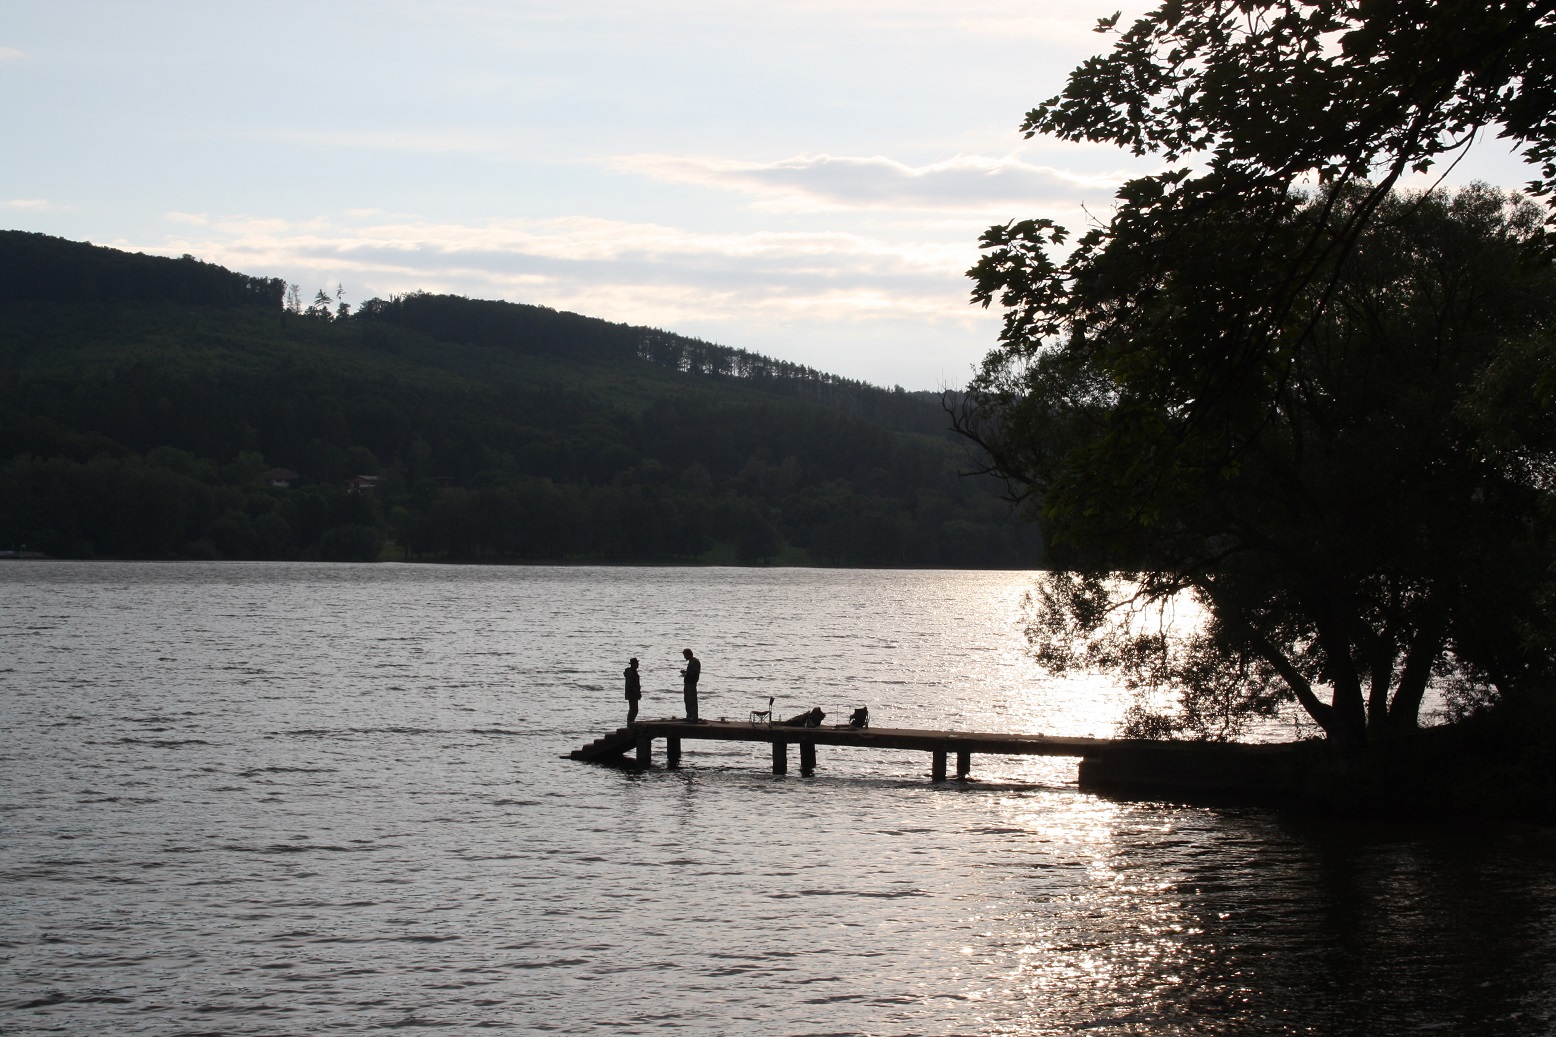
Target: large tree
(1273, 384)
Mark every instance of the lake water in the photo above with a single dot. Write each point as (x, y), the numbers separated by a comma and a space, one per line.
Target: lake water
(246, 798)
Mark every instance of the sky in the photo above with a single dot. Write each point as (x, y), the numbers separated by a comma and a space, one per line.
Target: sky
(799, 178)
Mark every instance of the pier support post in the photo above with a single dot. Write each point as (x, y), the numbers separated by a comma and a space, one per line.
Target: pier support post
(807, 758)
(963, 763)
(780, 757)
(672, 751)
(937, 770)
(645, 750)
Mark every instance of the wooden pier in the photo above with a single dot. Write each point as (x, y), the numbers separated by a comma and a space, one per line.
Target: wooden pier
(1107, 764)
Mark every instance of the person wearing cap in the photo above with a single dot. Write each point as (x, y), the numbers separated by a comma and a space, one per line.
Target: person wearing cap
(634, 689)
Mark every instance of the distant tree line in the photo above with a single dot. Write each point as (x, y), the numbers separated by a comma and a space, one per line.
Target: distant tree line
(544, 331)
(41, 268)
(160, 429)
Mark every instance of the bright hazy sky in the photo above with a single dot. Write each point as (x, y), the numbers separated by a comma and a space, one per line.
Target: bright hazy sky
(803, 179)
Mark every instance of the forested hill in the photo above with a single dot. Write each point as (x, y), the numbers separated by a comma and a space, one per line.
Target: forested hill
(540, 331)
(40, 268)
(162, 408)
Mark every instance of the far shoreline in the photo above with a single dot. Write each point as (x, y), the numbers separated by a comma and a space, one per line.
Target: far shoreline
(557, 563)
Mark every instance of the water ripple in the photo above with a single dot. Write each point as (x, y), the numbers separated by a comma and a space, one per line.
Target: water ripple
(264, 799)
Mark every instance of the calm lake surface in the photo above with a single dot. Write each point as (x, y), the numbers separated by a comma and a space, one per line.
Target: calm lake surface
(249, 798)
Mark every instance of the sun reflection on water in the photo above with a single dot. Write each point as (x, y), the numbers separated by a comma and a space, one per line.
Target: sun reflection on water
(1111, 946)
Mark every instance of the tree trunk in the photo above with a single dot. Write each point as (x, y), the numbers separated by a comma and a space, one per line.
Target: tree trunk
(1349, 730)
(1321, 712)
(1382, 676)
(1425, 647)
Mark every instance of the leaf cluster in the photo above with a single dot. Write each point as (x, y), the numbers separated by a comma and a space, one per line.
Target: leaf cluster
(1270, 91)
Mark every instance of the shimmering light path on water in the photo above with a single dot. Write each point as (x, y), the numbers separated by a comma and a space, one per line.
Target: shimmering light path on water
(277, 799)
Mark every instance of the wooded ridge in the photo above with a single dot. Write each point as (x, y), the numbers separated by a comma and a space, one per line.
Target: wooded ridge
(170, 408)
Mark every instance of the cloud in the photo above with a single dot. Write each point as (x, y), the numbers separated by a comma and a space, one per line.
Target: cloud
(10, 54)
(642, 273)
(1068, 23)
(965, 183)
(34, 205)
(414, 140)
(860, 305)
(1071, 26)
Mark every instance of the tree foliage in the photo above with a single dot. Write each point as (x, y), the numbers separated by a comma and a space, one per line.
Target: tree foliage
(1349, 90)
(1273, 384)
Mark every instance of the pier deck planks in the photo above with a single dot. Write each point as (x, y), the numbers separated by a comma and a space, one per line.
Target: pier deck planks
(1121, 764)
(876, 738)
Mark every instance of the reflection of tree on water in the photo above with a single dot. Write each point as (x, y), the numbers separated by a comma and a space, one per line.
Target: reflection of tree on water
(1195, 922)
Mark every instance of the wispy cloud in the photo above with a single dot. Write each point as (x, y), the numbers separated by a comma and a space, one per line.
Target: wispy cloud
(966, 183)
(843, 301)
(33, 205)
(1069, 25)
(411, 139)
(1059, 22)
(637, 272)
(9, 54)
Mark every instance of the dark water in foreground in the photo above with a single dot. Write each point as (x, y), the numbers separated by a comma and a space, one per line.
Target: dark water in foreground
(285, 799)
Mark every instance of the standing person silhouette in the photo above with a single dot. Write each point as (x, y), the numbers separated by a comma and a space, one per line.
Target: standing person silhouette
(634, 689)
(689, 684)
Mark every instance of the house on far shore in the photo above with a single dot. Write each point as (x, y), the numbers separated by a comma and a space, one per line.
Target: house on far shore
(361, 483)
(281, 478)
